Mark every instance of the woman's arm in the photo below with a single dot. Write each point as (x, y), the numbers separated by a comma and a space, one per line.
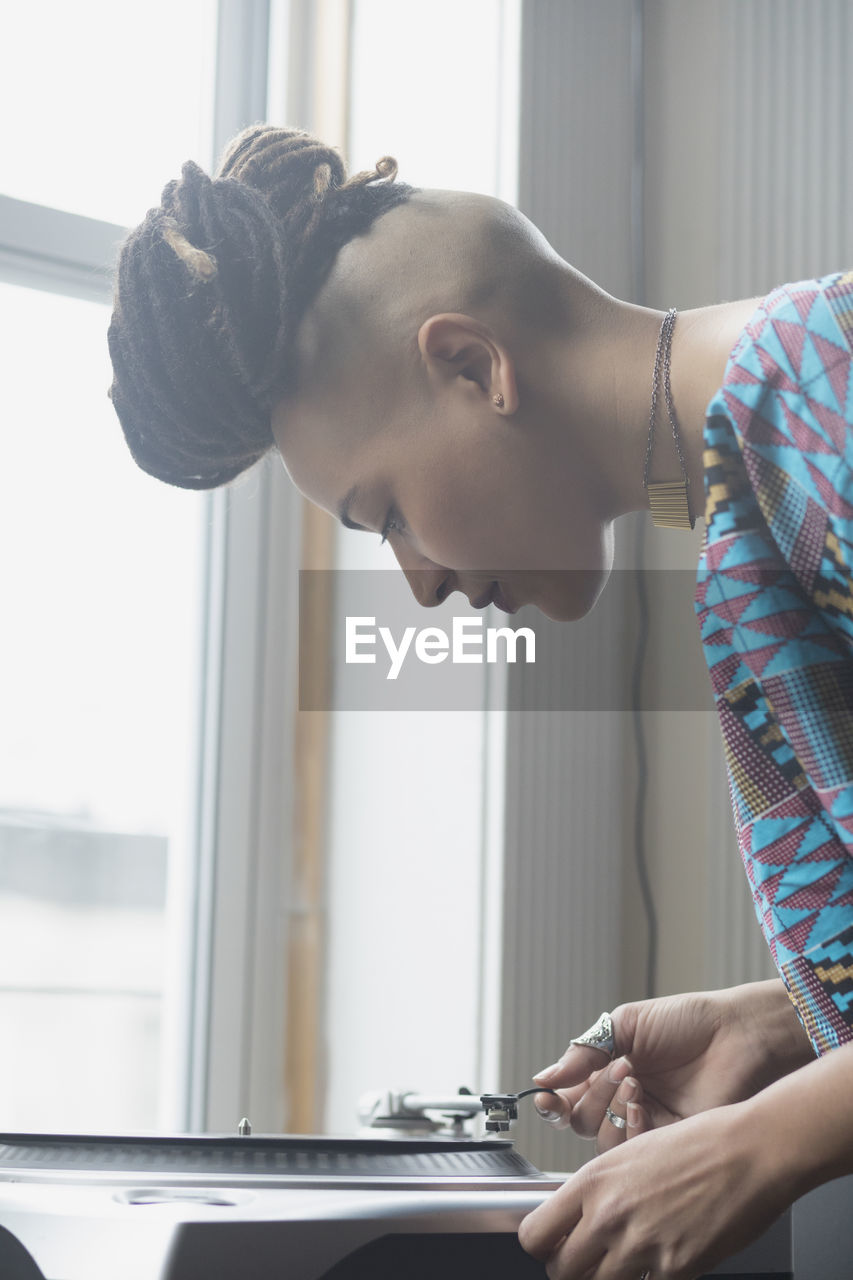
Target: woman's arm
(762, 1012)
(809, 1119)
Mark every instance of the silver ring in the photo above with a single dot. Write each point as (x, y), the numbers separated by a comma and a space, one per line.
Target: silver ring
(617, 1121)
(599, 1036)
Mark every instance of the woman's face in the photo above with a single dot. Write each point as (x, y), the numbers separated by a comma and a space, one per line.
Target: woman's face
(469, 500)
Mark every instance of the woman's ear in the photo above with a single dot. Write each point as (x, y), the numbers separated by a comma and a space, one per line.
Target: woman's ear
(457, 347)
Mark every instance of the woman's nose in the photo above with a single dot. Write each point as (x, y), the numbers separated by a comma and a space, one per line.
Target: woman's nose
(430, 583)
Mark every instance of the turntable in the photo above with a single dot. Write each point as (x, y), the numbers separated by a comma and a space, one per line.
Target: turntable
(219, 1207)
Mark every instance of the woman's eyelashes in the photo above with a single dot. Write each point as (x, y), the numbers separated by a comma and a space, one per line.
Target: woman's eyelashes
(393, 524)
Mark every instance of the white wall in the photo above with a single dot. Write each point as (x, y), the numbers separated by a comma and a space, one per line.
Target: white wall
(749, 183)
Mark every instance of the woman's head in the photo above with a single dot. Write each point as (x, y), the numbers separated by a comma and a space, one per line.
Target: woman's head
(404, 350)
(425, 408)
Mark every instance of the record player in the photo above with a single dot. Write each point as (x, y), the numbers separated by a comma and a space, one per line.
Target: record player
(427, 1201)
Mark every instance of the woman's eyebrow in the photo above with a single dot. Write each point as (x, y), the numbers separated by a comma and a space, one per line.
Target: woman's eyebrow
(344, 509)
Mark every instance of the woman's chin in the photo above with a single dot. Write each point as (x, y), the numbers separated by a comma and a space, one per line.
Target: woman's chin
(570, 594)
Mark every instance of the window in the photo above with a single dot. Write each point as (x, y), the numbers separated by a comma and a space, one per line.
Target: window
(143, 713)
(148, 885)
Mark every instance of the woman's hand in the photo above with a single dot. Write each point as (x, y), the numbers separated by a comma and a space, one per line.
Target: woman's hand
(677, 1056)
(673, 1203)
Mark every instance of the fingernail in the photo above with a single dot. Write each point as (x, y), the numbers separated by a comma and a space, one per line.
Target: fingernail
(547, 1072)
(546, 1114)
(633, 1115)
(626, 1090)
(618, 1070)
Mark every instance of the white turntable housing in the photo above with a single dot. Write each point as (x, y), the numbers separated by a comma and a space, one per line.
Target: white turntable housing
(279, 1208)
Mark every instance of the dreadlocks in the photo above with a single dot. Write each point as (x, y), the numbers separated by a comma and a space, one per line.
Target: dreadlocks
(210, 291)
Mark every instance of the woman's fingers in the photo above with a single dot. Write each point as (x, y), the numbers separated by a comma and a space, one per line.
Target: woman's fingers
(614, 1127)
(543, 1230)
(588, 1113)
(557, 1108)
(596, 1108)
(639, 1120)
(577, 1064)
(553, 1108)
(584, 1106)
(579, 1255)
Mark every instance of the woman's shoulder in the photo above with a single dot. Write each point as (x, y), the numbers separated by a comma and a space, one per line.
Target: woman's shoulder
(822, 307)
(798, 335)
(804, 332)
(787, 396)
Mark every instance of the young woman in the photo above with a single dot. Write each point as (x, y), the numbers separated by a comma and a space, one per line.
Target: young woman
(431, 371)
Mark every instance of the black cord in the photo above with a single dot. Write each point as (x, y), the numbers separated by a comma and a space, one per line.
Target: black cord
(642, 764)
(638, 240)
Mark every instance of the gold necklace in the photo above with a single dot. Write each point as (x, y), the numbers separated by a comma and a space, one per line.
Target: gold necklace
(668, 501)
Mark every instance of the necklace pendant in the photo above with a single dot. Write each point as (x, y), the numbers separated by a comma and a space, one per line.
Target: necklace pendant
(669, 506)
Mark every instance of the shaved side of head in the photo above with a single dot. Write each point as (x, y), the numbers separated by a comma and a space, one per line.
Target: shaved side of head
(443, 251)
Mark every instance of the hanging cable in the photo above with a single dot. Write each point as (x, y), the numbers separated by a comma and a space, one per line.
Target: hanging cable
(640, 856)
(639, 291)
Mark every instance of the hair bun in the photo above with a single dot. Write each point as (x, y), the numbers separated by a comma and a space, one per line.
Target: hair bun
(291, 169)
(197, 369)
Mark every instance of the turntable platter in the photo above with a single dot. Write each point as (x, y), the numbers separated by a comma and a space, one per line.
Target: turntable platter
(284, 1161)
(217, 1206)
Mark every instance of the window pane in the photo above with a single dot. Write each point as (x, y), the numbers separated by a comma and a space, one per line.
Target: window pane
(109, 99)
(101, 569)
(459, 142)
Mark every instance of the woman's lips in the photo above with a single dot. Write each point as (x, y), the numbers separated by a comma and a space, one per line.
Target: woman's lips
(499, 598)
(495, 595)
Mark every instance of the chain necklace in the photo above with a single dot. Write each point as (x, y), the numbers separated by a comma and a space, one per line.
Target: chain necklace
(668, 500)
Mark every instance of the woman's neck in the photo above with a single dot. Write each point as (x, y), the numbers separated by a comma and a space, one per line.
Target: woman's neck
(616, 445)
(702, 343)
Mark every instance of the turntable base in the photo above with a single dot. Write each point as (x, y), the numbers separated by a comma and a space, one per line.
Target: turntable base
(279, 1208)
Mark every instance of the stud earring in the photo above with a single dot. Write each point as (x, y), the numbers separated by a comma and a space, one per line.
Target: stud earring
(498, 400)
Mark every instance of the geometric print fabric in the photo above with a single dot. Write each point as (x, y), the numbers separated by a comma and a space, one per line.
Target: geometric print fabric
(774, 602)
